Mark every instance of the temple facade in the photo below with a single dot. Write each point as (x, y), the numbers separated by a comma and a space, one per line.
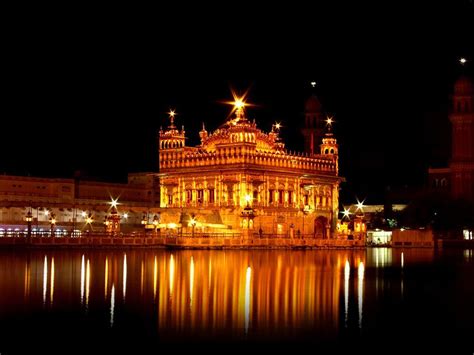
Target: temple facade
(240, 168)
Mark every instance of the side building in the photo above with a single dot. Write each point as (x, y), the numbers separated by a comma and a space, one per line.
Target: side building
(76, 204)
(239, 168)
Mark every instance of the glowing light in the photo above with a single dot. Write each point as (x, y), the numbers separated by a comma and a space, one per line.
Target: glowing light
(248, 278)
(155, 277)
(88, 281)
(239, 104)
(313, 84)
(462, 60)
(171, 274)
(106, 272)
(360, 295)
(45, 278)
(84, 214)
(51, 292)
(172, 113)
(124, 275)
(347, 274)
(112, 305)
(125, 215)
(83, 275)
(172, 225)
(46, 213)
(402, 260)
(346, 213)
(89, 220)
(248, 198)
(360, 205)
(191, 281)
(114, 203)
(277, 126)
(329, 120)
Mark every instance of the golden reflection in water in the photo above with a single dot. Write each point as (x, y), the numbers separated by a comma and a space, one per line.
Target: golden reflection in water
(171, 278)
(45, 278)
(191, 281)
(124, 275)
(155, 277)
(347, 275)
(88, 282)
(112, 305)
(83, 275)
(360, 293)
(106, 272)
(402, 262)
(142, 271)
(27, 278)
(248, 278)
(51, 292)
(243, 289)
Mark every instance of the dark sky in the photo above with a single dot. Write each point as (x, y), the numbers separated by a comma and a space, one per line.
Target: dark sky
(94, 102)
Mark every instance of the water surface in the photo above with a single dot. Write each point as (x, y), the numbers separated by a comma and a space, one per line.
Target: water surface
(149, 301)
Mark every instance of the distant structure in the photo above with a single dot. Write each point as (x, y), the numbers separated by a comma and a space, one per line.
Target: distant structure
(238, 168)
(314, 126)
(458, 178)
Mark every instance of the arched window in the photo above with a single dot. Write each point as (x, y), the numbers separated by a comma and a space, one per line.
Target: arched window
(326, 151)
(332, 151)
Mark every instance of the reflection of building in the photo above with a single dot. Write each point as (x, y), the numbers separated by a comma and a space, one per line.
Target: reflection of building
(459, 177)
(238, 161)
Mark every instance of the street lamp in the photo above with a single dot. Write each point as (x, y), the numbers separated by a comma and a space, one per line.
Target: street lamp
(52, 221)
(192, 222)
(29, 219)
(156, 221)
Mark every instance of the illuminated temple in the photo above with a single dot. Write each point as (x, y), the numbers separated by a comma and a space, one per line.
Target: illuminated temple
(239, 171)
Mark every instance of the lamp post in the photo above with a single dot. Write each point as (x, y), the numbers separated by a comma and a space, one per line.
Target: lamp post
(52, 221)
(29, 219)
(156, 221)
(192, 222)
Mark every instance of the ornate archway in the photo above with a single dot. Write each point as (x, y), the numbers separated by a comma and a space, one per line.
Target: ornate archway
(320, 227)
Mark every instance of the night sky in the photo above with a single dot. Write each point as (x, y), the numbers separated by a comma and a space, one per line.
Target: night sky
(95, 104)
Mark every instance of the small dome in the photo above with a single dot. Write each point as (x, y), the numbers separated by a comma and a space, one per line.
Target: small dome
(313, 104)
(463, 86)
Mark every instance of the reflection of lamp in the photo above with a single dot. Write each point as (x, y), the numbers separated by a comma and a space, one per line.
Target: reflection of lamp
(144, 220)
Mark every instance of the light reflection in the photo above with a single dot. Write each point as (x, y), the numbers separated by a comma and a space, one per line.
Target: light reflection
(88, 281)
(124, 275)
(248, 278)
(106, 272)
(112, 305)
(27, 277)
(171, 275)
(142, 272)
(347, 274)
(155, 278)
(191, 281)
(360, 293)
(45, 278)
(51, 292)
(402, 260)
(83, 276)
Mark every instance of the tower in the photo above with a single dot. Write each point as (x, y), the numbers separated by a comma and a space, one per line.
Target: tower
(462, 154)
(329, 144)
(170, 140)
(314, 125)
